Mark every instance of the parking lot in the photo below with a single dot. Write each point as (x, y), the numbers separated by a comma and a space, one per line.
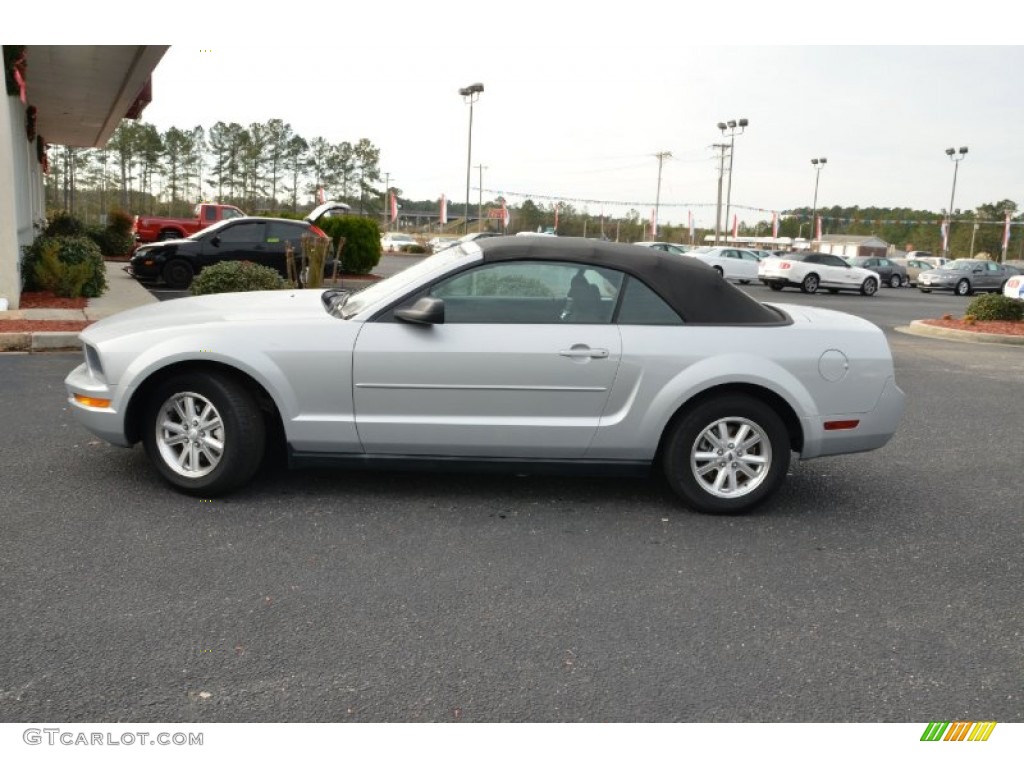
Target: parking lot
(874, 587)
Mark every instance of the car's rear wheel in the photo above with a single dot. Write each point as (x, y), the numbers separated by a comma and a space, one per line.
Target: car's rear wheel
(775, 286)
(720, 272)
(895, 281)
(178, 274)
(727, 455)
(963, 287)
(869, 287)
(204, 433)
(810, 284)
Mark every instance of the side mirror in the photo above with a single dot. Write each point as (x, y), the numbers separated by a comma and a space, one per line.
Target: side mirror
(215, 241)
(426, 311)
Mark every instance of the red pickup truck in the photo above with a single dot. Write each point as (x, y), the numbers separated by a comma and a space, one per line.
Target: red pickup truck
(149, 229)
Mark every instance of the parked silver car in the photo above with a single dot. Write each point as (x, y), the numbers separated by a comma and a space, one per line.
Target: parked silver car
(519, 354)
(892, 272)
(966, 276)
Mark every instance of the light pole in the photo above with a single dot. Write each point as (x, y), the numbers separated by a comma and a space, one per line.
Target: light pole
(818, 163)
(721, 171)
(956, 157)
(731, 126)
(470, 94)
(480, 200)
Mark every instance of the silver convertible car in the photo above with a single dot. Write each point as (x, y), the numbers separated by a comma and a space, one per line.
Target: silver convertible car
(515, 354)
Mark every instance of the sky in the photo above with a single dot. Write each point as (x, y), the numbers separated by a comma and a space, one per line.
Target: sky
(580, 98)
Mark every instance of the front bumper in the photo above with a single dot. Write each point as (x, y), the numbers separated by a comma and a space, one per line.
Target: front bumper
(106, 423)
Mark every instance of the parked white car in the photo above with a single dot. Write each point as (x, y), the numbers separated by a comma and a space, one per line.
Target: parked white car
(731, 263)
(809, 271)
(395, 241)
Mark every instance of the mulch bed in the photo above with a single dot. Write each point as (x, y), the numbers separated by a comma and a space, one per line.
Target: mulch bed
(31, 326)
(1009, 328)
(46, 300)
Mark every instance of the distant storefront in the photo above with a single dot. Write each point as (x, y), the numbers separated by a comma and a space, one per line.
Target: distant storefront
(851, 245)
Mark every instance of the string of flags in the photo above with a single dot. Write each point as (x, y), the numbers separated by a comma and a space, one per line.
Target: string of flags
(775, 214)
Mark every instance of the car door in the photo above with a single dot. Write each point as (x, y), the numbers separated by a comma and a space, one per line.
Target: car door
(521, 367)
(841, 274)
(240, 240)
(746, 265)
(279, 237)
(994, 276)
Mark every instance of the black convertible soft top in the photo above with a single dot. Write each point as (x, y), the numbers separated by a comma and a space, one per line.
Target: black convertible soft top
(695, 290)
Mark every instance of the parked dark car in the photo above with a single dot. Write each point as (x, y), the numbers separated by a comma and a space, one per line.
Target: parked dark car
(892, 273)
(258, 239)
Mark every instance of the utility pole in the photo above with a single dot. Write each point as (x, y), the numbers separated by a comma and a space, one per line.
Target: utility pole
(480, 201)
(657, 198)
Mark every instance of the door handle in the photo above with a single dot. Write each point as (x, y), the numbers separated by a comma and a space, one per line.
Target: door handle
(582, 350)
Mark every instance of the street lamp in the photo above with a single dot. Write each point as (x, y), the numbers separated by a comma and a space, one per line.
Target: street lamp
(470, 94)
(818, 163)
(956, 157)
(731, 126)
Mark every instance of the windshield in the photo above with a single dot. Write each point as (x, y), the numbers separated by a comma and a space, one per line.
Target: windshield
(357, 302)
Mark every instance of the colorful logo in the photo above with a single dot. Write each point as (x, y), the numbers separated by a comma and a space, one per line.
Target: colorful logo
(958, 731)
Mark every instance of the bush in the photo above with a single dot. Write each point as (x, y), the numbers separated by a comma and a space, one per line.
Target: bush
(54, 275)
(236, 276)
(63, 224)
(994, 306)
(70, 251)
(110, 241)
(362, 242)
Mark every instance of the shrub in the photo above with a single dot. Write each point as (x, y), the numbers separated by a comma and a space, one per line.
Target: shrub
(71, 251)
(56, 276)
(362, 242)
(994, 306)
(63, 224)
(110, 241)
(236, 276)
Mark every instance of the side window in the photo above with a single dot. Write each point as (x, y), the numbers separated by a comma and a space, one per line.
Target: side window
(284, 232)
(833, 261)
(231, 213)
(248, 232)
(813, 259)
(642, 306)
(530, 292)
(991, 266)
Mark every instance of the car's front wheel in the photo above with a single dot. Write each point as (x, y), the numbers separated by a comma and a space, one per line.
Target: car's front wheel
(810, 284)
(204, 433)
(895, 281)
(963, 288)
(727, 455)
(869, 287)
(178, 274)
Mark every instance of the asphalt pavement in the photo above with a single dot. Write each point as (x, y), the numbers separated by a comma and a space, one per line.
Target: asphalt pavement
(875, 587)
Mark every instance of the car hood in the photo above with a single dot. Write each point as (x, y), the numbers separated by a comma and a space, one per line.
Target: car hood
(253, 307)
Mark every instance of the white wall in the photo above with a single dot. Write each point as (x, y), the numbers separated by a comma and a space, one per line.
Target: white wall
(21, 195)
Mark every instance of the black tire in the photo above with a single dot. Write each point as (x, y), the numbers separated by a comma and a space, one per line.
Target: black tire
(924, 290)
(720, 272)
(744, 282)
(895, 281)
(906, 282)
(683, 455)
(167, 234)
(869, 287)
(235, 423)
(178, 274)
(810, 284)
(775, 286)
(963, 288)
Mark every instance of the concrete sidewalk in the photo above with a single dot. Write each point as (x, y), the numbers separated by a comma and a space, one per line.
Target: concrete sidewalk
(123, 292)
